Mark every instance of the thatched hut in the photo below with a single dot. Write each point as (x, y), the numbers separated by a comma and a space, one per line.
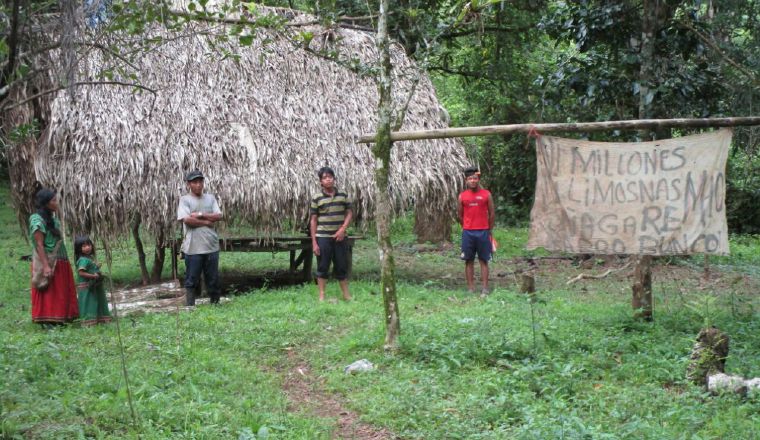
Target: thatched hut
(259, 122)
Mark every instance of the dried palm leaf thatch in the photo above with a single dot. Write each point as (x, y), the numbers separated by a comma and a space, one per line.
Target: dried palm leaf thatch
(21, 130)
(258, 124)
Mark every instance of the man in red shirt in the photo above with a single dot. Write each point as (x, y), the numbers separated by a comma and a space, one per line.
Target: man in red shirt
(476, 215)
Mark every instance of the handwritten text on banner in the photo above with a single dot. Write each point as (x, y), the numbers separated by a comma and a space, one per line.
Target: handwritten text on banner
(666, 197)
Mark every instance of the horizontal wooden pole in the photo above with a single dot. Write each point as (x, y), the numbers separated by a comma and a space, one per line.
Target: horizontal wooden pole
(634, 124)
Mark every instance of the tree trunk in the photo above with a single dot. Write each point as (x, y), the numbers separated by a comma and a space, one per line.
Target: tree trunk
(159, 256)
(648, 39)
(653, 12)
(382, 152)
(140, 251)
(12, 46)
(431, 224)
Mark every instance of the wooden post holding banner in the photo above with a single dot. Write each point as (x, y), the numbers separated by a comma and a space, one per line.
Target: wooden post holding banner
(642, 288)
(528, 284)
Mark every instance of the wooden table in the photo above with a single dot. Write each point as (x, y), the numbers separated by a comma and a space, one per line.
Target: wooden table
(299, 247)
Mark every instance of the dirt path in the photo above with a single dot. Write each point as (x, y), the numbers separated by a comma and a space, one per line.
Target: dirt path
(306, 393)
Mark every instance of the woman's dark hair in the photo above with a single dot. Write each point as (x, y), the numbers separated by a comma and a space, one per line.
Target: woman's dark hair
(41, 199)
(80, 241)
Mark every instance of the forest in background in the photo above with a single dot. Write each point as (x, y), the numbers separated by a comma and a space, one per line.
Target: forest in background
(506, 62)
(502, 62)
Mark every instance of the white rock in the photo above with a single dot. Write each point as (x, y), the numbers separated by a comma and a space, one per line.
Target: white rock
(359, 366)
(721, 382)
(753, 384)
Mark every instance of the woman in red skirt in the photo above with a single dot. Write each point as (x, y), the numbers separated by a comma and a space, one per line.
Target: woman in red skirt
(57, 303)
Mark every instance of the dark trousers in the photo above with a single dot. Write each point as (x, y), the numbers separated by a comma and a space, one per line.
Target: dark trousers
(333, 251)
(208, 264)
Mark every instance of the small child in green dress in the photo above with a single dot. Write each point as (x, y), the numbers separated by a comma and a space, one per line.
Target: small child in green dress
(93, 304)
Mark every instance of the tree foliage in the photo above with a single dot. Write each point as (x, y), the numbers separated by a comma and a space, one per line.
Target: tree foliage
(495, 62)
(558, 61)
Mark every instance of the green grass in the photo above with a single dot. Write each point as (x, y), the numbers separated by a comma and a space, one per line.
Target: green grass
(467, 367)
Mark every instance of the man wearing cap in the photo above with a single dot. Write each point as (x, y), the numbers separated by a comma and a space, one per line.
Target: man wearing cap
(198, 211)
(330, 214)
(477, 216)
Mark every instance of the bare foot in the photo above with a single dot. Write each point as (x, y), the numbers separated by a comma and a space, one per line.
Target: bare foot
(347, 298)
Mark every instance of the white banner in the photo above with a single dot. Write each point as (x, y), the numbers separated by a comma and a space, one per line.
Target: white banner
(666, 197)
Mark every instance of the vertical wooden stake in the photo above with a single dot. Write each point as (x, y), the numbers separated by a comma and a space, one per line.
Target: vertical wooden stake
(175, 263)
(642, 288)
(528, 283)
(140, 251)
(159, 255)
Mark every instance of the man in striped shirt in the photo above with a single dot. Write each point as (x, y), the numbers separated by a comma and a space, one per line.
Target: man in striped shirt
(331, 214)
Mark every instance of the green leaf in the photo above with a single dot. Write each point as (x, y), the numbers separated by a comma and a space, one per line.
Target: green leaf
(246, 40)
(251, 6)
(263, 433)
(246, 434)
(306, 37)
(22, 70)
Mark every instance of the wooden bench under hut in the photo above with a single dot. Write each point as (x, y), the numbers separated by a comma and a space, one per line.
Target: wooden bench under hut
(301, 251)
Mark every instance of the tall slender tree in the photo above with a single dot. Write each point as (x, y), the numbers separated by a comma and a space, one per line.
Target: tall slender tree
(382, 152)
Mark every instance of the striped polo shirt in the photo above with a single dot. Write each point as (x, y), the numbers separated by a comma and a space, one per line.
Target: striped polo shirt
(330, 211)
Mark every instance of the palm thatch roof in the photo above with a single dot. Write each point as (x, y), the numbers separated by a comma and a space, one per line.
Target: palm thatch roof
(258, 123)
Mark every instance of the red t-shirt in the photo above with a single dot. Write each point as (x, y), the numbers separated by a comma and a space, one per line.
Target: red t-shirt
(475, 205)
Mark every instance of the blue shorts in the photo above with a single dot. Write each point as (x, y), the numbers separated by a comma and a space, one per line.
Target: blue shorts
(476, 242)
